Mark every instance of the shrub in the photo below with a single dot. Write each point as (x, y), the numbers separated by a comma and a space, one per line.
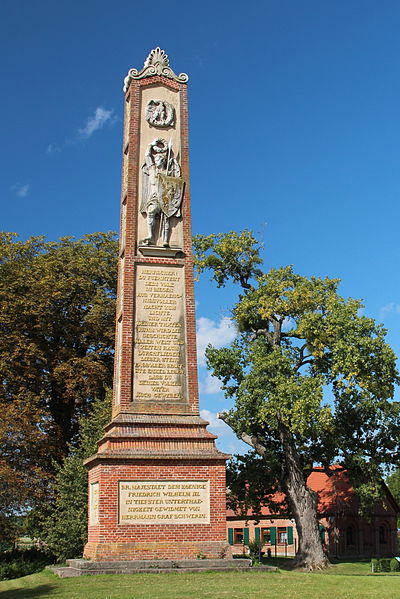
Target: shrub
(394, 565)
(255, 548)
(375, 565)
(384, 564)
(16, 563)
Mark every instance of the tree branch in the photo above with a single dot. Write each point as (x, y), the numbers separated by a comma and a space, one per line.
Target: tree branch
(302, 358)
(251, 440)
(244, 282)
(254, 443)
(277, 324)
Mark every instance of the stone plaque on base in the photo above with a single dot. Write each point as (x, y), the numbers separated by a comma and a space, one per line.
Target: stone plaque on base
(164, 502)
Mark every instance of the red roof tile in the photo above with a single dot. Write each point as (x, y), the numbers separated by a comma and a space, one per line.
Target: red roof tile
(335, 492)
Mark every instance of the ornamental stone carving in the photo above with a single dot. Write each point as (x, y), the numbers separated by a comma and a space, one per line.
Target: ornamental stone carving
(160, 113)
(162, 190)
(156, 63)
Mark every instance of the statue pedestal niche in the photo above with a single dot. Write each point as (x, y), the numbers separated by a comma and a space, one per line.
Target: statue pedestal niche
(157, 482)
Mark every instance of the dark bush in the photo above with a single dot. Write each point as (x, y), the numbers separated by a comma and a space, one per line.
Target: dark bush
(375, 565)
(394, 565)
(16, 563)
(384, 563)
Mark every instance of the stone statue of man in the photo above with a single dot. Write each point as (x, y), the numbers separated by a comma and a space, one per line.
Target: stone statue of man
(162, 189)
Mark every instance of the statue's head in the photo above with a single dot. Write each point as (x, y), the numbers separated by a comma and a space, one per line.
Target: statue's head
(160, 160)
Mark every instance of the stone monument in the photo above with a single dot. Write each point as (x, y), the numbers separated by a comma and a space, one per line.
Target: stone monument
(157, 481)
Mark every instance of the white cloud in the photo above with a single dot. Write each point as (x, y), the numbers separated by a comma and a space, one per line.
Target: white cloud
(94, 123)
(391, 308)
(227, 440)
(20, 190)
(52, 149)
(210, 385)
(218, 334)
(215, 422)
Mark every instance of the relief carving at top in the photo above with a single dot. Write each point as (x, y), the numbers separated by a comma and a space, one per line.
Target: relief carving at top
(160, 113)
(157, 63)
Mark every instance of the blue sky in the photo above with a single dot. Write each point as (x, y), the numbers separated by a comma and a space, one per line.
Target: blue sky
(294, 133)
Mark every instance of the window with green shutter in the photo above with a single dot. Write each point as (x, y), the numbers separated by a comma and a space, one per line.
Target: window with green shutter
(230, 536)
(282, 535)
(290, 535)
(246, 536)
(266, 536)
(257, 534)
(238, 536)
(272, 532)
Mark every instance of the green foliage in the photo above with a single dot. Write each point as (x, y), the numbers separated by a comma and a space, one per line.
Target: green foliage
(255, 547)
(393, 482)
(63, 527)
(375, 565)
(16, 563)
(57, 305)
(230, 256)
(394, 565)
(312, 378)
(251, 483)
(298, 338)
(384, 564)
(10, 525)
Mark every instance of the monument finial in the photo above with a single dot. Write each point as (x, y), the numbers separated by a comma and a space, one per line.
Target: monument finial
(157, 63)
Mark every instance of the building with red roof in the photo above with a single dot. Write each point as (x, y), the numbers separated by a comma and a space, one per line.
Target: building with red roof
(344, 532)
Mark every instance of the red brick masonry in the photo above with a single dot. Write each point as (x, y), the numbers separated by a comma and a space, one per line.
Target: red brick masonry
(112, 541)
(154, 440)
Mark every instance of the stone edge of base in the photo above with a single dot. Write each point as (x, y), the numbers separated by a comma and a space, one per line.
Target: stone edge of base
(152, 567)
(175, 564)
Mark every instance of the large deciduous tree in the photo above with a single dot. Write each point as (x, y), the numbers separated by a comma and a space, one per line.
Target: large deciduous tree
(312, 380)
(57, 310)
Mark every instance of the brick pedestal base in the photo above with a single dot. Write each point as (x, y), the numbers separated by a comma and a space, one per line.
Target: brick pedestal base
(156, 448)
(176, 550)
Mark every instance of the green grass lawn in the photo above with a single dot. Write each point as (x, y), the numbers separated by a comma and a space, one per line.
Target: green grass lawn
(341, 581)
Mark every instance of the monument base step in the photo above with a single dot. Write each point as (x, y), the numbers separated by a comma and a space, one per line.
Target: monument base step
(82, 567)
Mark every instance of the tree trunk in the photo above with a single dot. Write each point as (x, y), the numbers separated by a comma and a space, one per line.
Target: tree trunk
(301, 500)
(302, 504)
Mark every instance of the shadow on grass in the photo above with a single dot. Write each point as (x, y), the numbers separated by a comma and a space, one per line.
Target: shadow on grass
(283, 563)
(36, 592)
(344, 567)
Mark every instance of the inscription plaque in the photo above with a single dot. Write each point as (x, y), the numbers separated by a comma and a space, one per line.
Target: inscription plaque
(166, 501)
(160, 353)
(94, 503)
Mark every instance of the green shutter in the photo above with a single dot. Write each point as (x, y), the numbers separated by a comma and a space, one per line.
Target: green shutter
(257, 534)
(273, 535)
(230, 536)
(290, 535)
(246, 536)
(322, 533)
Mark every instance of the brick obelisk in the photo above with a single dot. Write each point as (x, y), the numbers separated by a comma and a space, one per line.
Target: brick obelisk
(157, 481)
